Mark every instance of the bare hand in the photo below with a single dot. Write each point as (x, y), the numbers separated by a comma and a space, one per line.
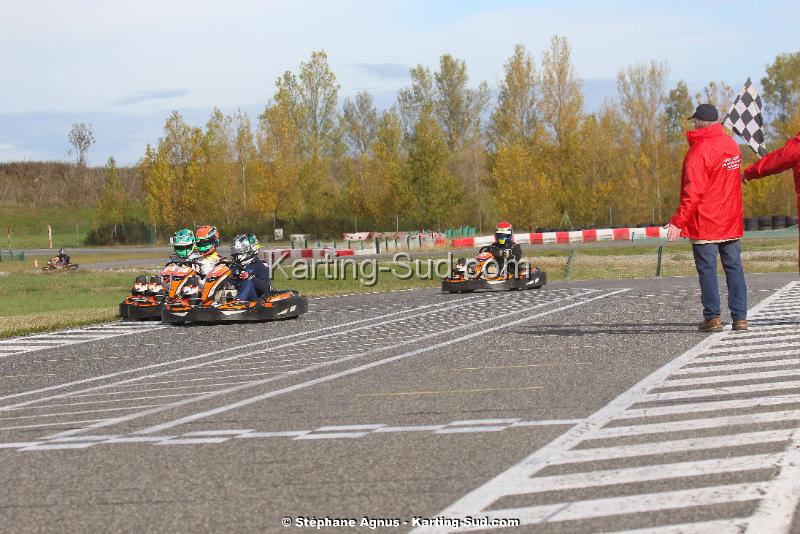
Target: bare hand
(673, 232)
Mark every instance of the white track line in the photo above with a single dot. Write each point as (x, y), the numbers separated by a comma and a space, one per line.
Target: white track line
(711, 406)
(371, 365)
(649, 502)
(647, 473)
(667, 447)
(687, 371)
(578, 297)
(719, 379)
(700, 424)
(566, 449)
(235, 348)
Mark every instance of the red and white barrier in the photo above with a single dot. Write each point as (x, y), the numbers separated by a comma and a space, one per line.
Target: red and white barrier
(576, 236)
(279, 255)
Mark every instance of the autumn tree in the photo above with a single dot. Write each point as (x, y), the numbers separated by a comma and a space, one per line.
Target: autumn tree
(359, 123)
(516, 116)
(245, 153)
(642, 93)
(171, 174)
(412, 100)
(561, 108)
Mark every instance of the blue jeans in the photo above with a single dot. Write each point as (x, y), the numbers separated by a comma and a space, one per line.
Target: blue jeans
(705, 259)
(246, 290)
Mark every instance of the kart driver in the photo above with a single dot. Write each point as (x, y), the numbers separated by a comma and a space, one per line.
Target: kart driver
(182, 245)
(254, 277)
(505, 251)
(206, 243)
(63, 257)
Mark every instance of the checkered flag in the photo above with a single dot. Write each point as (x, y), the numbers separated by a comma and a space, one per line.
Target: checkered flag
(745, 119)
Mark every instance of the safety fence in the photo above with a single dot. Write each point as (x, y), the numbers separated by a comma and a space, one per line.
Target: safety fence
(660, 260)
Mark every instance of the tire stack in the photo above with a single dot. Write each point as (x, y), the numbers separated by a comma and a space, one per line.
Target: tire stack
(750, 224)
(765, 222)
(778, 222)
(791, 221)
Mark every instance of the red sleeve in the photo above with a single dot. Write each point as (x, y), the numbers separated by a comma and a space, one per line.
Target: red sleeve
(776, 161)
(694, 184)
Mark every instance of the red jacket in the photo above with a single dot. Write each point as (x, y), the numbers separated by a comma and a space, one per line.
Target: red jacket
(785, 158)
(711, 187)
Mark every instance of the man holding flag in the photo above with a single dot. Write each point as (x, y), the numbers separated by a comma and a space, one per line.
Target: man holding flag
(785, 158)
(745, 119)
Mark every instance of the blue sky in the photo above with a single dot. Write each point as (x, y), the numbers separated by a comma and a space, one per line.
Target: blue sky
(123, 66)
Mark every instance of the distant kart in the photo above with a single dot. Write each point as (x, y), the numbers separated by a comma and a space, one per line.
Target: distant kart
(215, 301)
(54, 264)
(147, 295)
(483, 273)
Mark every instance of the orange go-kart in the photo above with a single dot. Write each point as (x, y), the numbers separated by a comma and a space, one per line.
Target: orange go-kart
(485, 273)
(147, 295)
(215, 300)
(55, 264)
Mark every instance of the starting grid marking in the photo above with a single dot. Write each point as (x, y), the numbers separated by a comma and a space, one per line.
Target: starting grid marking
(75, 336)
(353, 431)
(213, 375)
(692, 406)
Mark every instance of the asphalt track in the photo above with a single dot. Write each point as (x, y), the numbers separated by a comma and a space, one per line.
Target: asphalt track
(584, 406)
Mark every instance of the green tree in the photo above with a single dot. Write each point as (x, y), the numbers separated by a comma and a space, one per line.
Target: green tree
(428, 175)
(412, 100)
(457, 107)
(677, 108)
(112, 206)
(781, 92)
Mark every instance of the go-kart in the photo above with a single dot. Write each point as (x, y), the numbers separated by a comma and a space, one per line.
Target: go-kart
(215, 300)
(147, 295)
(55, 264)
(484, 273)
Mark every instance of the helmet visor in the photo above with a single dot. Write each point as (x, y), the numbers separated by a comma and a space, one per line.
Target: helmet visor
(501, 238)
(182, 250)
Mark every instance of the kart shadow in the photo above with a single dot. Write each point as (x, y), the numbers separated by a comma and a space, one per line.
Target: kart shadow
(625, 329)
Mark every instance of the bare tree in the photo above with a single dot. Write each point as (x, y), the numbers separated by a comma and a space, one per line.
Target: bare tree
(81, 138)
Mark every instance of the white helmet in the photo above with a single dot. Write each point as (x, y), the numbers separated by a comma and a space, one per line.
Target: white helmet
(244, 248)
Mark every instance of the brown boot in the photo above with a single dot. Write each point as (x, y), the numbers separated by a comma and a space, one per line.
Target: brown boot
(739, 324)
(710, 325)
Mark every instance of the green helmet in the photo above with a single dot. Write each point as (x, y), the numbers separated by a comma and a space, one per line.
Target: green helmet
(183, 243)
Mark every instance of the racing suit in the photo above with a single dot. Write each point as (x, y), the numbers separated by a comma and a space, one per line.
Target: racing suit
(206, 263)
(507, 256)
(253, 281)
(63, 259)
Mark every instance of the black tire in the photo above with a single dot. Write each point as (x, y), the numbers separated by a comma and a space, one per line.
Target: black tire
(779, 221)
(791, 221)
